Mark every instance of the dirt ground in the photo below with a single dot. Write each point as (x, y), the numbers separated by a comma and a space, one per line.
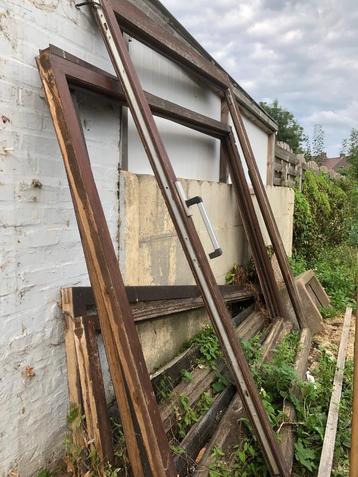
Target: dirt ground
(330, 338)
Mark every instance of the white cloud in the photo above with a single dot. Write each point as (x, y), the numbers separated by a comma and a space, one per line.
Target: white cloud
(303, 52)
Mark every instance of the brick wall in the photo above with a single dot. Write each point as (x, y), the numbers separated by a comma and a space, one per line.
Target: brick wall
(40, 249)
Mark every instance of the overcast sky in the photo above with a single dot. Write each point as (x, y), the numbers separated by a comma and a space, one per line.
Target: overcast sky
(302, 52)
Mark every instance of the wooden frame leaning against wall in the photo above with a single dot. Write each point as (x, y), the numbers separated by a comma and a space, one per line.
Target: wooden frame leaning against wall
(105, 277)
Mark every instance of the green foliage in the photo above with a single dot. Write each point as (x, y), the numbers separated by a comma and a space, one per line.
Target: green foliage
(325, 236)
(336, 268)
(289, 131)
(120, 452)
(209, 347)
(328, 311)
(305, 456)
(274, 381)
(350, 148)
(186, 416)
(220, 383)
(44, 473)
(323, 215)
(186, 375)
(311, 413)
(164, 388)
(204, 404)
(177, 450)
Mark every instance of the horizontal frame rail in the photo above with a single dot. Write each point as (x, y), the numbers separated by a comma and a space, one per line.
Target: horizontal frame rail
(83, 299)
(82, 74)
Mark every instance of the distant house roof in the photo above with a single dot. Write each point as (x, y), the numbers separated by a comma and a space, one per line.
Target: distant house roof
(335, 163)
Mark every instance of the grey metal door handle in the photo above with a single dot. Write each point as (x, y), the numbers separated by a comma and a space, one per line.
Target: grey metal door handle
(197, 200)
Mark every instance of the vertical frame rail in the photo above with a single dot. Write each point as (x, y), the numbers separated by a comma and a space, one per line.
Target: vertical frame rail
(131, 382)
(252, 228)
(188, 236)
(265, 206)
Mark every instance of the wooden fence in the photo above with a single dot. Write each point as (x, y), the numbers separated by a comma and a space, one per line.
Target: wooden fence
(288, 167)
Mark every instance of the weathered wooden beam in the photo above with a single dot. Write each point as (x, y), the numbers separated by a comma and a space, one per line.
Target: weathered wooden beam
(252, 229)
(121, 340)
(229, 430)
(73, 375)
(287, 435)
(94, 400)
(83, 298)
(326, 462)
(84, 75)
(265, 207)
(199, 434)
(224, 170)
(202, 378)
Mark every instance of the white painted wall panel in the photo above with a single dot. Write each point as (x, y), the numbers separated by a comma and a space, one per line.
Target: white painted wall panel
(193, 155)
(259, 143)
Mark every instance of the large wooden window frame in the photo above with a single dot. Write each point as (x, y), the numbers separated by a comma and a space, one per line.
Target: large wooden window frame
(142, 425)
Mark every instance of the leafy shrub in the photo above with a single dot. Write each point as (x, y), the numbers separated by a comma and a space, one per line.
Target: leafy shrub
(325, 236)
(324, 214)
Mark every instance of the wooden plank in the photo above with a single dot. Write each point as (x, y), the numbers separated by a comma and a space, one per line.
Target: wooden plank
(171, 372)
(203, 377)
(144, 311)
(94, 400)
(73, 376)
(353, 468)
(121, 340)
(229, 429)
(287, 432)
(201, 432)
(326, 462)
(83, 299)
(286, 156)
(265, 207)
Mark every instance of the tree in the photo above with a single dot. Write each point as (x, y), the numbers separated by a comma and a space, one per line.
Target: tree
(350, 149)
(318, 144)
(289, 131)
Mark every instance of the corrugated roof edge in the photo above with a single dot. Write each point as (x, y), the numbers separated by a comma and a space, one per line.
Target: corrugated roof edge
(251, 108)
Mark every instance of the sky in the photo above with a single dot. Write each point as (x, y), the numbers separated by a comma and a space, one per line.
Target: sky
(302, 52)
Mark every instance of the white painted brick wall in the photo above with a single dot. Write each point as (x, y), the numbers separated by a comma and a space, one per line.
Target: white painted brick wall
(40, 249)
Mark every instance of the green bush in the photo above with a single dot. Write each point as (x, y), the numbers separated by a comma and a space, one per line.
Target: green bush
(325, 235)
(324, 214)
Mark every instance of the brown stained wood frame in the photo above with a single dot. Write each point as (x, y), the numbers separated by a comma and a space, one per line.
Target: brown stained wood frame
(135, 22)
(139, 25)
(56, 82)
(184, 225)
(75, 73)
(83, 301)
(265, 207)
(139, 412)
(85, 378)
(84, 75)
